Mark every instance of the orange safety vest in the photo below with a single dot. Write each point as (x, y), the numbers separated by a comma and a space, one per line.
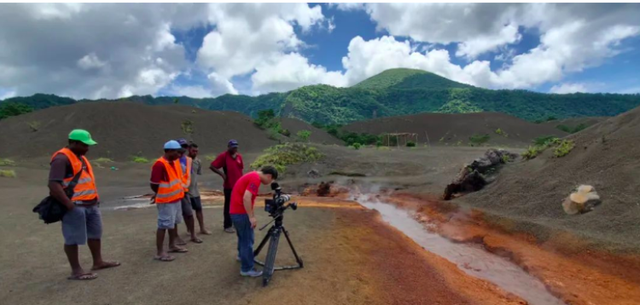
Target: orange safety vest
(186, 175)
(172, 190)
(85, 189)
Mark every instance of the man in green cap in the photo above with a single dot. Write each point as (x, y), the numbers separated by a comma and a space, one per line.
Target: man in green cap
(71, 182)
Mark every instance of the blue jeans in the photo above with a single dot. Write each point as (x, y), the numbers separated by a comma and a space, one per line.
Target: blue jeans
(245, 240)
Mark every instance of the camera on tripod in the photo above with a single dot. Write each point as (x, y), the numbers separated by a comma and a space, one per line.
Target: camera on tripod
(275, 207)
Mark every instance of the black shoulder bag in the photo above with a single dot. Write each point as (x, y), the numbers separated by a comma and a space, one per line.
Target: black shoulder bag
(50, 209)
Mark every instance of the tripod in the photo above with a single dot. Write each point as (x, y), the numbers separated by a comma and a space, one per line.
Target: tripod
(274, 236)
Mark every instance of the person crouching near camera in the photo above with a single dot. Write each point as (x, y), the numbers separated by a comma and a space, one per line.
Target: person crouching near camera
(243, 198)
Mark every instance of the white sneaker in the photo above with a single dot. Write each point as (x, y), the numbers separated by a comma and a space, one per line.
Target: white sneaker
(251, 273)
(230, 230)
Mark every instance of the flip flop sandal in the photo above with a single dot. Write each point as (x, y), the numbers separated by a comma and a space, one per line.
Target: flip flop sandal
(178, 250)
(83, 277)
(166, 258)
(107, 266)
(197, 240)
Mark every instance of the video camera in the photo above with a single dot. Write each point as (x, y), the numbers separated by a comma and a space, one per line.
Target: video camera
(275, 207)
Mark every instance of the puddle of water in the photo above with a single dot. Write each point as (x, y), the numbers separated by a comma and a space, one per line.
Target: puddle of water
(134, 203)
(470, 258)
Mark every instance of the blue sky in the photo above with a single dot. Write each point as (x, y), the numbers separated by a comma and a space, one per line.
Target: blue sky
(205, 50)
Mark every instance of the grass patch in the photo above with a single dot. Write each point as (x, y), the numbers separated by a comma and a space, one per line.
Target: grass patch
(210, 158)
(303, 135)
(187, 127)
(7, 162)
(34, 125)
(560, 147)
(478, 140)
(355, 146)
(544, 140)
(384, 148)
(501, 132)
(103, 160)
(564, 148)
(282, 155)
(7, 173)
(532, 152)
(340, 173)
(138, 159)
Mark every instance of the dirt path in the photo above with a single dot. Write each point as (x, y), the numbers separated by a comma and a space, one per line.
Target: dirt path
(350, 258)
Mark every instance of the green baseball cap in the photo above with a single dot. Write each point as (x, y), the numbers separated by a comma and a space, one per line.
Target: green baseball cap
(82, 136)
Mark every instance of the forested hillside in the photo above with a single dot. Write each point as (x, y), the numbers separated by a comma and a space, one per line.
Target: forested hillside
(390, 93)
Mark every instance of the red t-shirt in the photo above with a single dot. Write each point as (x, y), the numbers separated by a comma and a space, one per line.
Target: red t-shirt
(232, 168)
(159, 173)
(249, 182)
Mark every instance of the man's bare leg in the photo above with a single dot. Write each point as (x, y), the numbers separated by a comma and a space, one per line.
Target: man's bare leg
(178, 241)
(161, 255)
(96, 253)
(188, 220)
(76, 270)
(200, 217)
(160, 242)
(173, 242)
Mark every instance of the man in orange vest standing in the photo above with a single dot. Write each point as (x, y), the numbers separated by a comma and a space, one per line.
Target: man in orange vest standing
(186, 164)
(167, 184)
(82, 222)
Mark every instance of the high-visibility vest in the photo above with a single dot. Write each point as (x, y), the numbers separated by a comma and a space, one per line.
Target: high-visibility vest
(85, 189)
(171, 190)
(186, 174)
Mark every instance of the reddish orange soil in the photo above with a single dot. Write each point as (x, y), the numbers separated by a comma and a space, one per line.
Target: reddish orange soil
(574, 273)
(406, 273)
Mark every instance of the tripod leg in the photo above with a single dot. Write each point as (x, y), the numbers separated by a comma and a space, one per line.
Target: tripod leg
(286, 234)
(270, 261)
(262, 243)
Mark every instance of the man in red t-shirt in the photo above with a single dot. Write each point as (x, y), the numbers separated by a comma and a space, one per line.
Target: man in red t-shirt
(244, 220)
(232, 165)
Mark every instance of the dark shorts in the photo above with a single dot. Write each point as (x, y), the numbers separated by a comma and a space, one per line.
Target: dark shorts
(186, 206)
(80, 224)
(196, 204)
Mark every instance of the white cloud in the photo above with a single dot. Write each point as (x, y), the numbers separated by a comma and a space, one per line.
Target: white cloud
(478, 27)
(90, 61)
(482, 44)
(289, 71)
(248, 34)
(5, 94)
(348, 6)
(568, 88)
(573, 36)
(632, 90)
(221, 85)
(190, 91)
(90, 50)
(368, 58)
(112, 50)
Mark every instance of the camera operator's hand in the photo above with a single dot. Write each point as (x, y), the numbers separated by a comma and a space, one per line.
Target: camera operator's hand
(254, 222)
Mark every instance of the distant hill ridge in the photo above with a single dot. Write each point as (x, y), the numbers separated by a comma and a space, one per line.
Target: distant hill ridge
(393, 92)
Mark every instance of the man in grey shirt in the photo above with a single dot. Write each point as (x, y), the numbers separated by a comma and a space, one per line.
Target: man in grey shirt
(194, 193)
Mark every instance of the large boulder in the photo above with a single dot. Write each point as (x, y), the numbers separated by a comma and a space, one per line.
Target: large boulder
(584, 199)
(474, 176)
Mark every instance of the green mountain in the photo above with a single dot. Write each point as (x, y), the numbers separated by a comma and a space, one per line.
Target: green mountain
(390, 93)
(408, 79)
